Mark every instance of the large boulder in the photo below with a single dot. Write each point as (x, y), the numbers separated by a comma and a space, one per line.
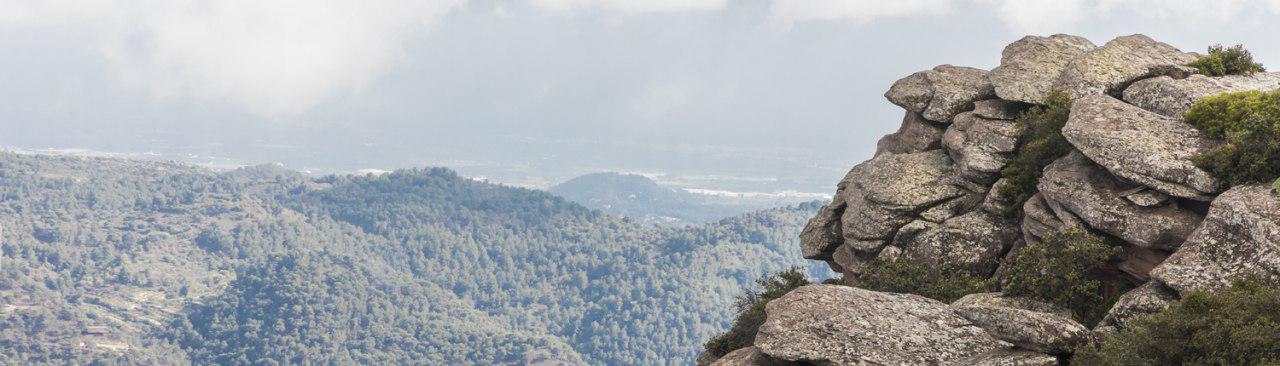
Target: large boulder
(822, 235)
(1141, 146)
(1009, 357)
(1036, 331)
(1174, 97)
(997, 299)
(1240, 237)
(748, 356)
(1115, 65)
(1095, 196)
(884, 193)
(840, 325)
(915, 135)
(942, 92)
(973, 241)
(980, 146)
(1150, 298)
(1029, 67)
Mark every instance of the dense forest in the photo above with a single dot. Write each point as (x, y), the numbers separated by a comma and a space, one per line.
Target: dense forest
(643, 199)
(110, 261)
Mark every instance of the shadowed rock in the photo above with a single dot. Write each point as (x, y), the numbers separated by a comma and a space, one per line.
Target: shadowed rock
(1150, 298)
(915, 135)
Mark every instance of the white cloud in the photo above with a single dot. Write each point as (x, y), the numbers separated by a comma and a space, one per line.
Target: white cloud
(631, 6)
(787, 12)
(273, 58)
(661, 97)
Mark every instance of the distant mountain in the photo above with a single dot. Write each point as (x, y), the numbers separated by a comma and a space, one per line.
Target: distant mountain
(643, 199)
(124, 262)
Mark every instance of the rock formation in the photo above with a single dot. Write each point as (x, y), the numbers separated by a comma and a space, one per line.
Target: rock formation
(930, 195)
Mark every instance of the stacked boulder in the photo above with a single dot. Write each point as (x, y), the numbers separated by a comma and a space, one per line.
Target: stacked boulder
(929, 196)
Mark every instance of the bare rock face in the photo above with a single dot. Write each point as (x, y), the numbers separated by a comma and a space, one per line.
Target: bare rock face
(973, 241)
(749, 356)
(1173, 97)
(1093, 195)
(822, 234)
(979, 146)
(1029, 67)
(1036, 331)
(1010, 357)
(996, 299)
(1112, 67)
(840, 325)
(941, 93)
(915, 135)
(884, 193)
(1239, 237)
(1150, 298)
(998, 109)
(1141, 146)
(1041, 217)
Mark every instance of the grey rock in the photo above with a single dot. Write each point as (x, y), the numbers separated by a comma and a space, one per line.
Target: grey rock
(1040, 218)
(748, 356)
(840, 325)
(822, 234)
(1240, 237)
(1150, 298)
(973, 241)
(1145, 197)
(849, 261)
(1030, 66)
(1141, 146)
(997, 299)
(995, 202)
(1094, 195)
(884, 193)
(889, 254)
(915, 135)
(998, 109)
(1009, 357)
(942, 92)
(1173, 97)
(1139, 262)
(980, 147)
(1120, 62)
(1036, 331)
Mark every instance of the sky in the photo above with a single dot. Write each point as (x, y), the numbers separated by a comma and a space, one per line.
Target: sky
(751, 95)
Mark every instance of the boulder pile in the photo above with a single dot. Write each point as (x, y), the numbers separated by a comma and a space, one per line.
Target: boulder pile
(930, 195)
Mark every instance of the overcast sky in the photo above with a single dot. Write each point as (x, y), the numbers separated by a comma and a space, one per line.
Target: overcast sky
(532, 83)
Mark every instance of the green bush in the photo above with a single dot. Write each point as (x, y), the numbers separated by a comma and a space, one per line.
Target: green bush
(1248, 122)
(1227, 61)
(1065, 269)
(1239, 325)
(931, 281)
(750, 306)
(1040, 144)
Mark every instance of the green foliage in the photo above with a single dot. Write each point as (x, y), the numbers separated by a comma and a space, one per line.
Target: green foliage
(751, 315)
(1238, 325)
(1227, 61)
(1041, 143)
(1248, 122)
(1065, 269)
(928, 280)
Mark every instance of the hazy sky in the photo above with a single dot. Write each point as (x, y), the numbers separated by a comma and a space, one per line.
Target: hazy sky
(767, 88)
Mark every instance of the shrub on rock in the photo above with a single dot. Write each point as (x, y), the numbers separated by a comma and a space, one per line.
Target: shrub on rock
(1248, 122)
(1238, 325)
(1065, 269)
(1041, 143)
(751, 315)
(936, 282)
(1223, 61)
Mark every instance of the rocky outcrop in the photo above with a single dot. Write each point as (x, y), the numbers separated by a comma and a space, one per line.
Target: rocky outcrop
(1150, 298)
(996, 299)
(839, 325)
(1030, 67)
(884, 193)
(1112, 67)
(973, 241)
(749, 356)
(915, 135)
(1141, 146)
(980, 146)
(941, 93)
(1240, 237)
(1095, 197)
(1173, 97)
(1010, 357)
(1036, 331)
(822, 235)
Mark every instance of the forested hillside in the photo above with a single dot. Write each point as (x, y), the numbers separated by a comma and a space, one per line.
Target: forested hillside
(127, 262)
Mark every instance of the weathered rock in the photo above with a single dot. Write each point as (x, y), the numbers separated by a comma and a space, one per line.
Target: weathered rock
(1173, 97)
(1112, 67)
(1150, 298)
(995, 202)
(980, 147)
(884, 193)
(1139, 262)
(1040, 218)
(942, 92)
(1036, 331)
(705, 359)
(952, 207)
(749, 356)
(839, 325)
(822, 234)
(849, 261)
(1093, 195)
(1240, 237)
(915, 135)
(998, 109)
(1145, 197)
(1009, 357)
(1030, 66)
(996, 299)
(1141, 146)
(973, 241)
